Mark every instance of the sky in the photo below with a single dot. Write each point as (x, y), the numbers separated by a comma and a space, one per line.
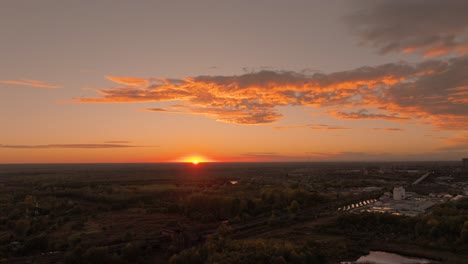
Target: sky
(230, 81)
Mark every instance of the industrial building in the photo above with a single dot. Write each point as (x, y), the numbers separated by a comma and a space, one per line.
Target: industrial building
(399, 203)
(399, 193)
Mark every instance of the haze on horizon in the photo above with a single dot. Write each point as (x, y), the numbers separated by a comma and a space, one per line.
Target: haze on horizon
(158, 81)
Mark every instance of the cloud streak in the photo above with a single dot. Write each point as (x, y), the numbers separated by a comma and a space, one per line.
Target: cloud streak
(156, 110)
(30, 83)
(312, 127)
(390, 129)
(365, 114)
(69, 146)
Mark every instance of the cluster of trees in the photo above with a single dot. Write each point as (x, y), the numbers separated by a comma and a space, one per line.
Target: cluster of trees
(42, 214)
(217, 206)
(222, 250)
(280, 198)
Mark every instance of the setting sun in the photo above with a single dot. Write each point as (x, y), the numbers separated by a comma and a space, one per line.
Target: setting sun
(195, 159)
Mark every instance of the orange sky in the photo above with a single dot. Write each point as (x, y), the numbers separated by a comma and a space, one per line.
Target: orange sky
(165, 82)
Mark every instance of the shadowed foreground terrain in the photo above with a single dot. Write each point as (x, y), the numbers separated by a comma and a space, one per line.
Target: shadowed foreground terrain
(222, 213)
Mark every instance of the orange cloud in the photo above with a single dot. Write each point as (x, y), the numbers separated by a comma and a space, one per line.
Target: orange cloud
(31, 83)
(130, 81)
(156, 110)
(432, 91)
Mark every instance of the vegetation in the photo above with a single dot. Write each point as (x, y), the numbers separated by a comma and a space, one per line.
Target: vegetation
(135, 214)
(445, 227)
(222, 250)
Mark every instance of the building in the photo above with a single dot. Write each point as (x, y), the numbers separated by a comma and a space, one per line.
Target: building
(465, 163)
(399, 193)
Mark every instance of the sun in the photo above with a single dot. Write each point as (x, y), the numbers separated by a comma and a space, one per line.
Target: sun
(194, 159)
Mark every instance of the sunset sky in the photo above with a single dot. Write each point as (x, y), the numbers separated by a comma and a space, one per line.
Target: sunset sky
(160, 81)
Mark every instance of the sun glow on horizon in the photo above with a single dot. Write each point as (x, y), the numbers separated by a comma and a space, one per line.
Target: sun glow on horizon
(195, 159)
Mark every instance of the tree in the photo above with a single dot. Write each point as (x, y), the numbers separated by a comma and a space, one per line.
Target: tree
(294, 207)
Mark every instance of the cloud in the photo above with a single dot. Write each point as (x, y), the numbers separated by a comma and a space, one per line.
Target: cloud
(391, 129)
(130, 81)
(434, 91)
(364, 114)
(69, 146)
(156, 110)
(430, 27)
(313, 127)
(440, 96)
(31, 83)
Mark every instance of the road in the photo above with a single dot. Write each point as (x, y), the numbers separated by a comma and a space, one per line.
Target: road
(422, 178)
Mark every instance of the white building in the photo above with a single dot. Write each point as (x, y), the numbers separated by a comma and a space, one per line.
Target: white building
(399, 193)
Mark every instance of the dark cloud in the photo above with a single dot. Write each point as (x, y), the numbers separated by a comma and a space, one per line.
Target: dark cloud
(441, 92)
(313, 127)
(364, 114)
(391, 129)
(431, 27)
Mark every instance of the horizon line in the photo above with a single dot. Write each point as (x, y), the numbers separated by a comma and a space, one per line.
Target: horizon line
(214, 162)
